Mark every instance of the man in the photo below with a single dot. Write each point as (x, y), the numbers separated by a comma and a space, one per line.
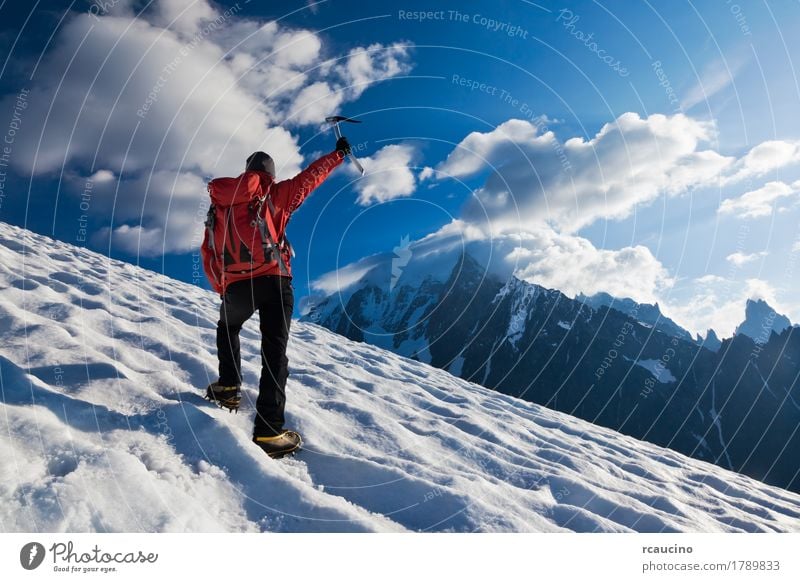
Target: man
(246, 258)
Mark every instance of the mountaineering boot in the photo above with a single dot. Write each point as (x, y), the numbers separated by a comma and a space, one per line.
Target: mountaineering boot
(225, 396)
(280, 445)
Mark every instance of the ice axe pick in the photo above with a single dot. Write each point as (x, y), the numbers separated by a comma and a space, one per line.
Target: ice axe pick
(334, 120)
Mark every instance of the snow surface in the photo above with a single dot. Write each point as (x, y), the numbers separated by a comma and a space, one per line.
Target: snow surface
(658, 370)
(103, 428)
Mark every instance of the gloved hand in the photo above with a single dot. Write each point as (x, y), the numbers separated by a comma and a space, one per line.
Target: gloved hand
(342, 145)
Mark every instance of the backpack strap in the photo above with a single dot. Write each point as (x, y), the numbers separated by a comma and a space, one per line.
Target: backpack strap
(284, 240)
(266, 228)
(211, 222)
(213, 264)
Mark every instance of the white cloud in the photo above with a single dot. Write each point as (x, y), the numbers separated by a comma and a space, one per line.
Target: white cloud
(569, 263)
(135, 240)
(717, 76)
(184, 16)
(536, 178)
(717, 303)
(709, 279)
(739, 259)
(176, 94)
(426, 173)
(388, 174)
(154, 213)
(478, 151)
(340, 279)
(573, 265)
(763, 158)
(758, 203)
(348, 80)
(314, 103)
(102, 176)
(290, 48)
(270, 61)
(365, 66)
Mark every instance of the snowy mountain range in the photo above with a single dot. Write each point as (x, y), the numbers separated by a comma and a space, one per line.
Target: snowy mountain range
(641, 312)
(612, 362)
(103, 428)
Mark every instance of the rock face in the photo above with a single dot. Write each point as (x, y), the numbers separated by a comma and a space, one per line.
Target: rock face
(643, 312)
(761, 321)
(711, 341)
(735, 403)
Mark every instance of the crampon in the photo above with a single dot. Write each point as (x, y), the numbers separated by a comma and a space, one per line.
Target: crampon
(228, 397)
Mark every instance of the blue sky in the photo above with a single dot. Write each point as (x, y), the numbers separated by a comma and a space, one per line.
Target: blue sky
(606, 136)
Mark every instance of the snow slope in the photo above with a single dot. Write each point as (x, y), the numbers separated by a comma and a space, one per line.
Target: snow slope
(103, 428)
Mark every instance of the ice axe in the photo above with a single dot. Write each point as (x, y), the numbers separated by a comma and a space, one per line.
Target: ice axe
(335, 120)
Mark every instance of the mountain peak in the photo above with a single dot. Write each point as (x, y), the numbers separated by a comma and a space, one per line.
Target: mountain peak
(761, 321)
(466, 263)
(711, 341)
(649, 314)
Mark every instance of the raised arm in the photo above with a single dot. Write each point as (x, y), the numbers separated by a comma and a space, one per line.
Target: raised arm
(290, 194)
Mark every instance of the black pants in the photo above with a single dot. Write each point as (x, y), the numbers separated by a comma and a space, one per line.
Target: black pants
(273, 297)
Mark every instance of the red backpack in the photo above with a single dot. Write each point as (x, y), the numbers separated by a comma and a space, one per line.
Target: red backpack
(240, 237)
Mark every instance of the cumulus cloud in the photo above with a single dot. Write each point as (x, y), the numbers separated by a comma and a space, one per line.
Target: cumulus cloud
(184, 16)
(144, 103)
(314, 103)
(542, 256)
(160, 212)
(388, 174)
(573, 265)
(739, 259)
(760, 202)
(717, 303)
(536, 178)
(479, 150)
(426, 173)
(101, 176)
(763, 158)
(135, 240)
(351, 77)
(364, 66)
(533, 177)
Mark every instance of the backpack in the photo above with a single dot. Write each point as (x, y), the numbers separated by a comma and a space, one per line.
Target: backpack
(240, 236)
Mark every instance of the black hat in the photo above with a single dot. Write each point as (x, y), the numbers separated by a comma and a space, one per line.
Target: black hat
(261, 162)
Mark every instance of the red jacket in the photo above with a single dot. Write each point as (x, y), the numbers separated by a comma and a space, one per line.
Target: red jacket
(286, 196)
